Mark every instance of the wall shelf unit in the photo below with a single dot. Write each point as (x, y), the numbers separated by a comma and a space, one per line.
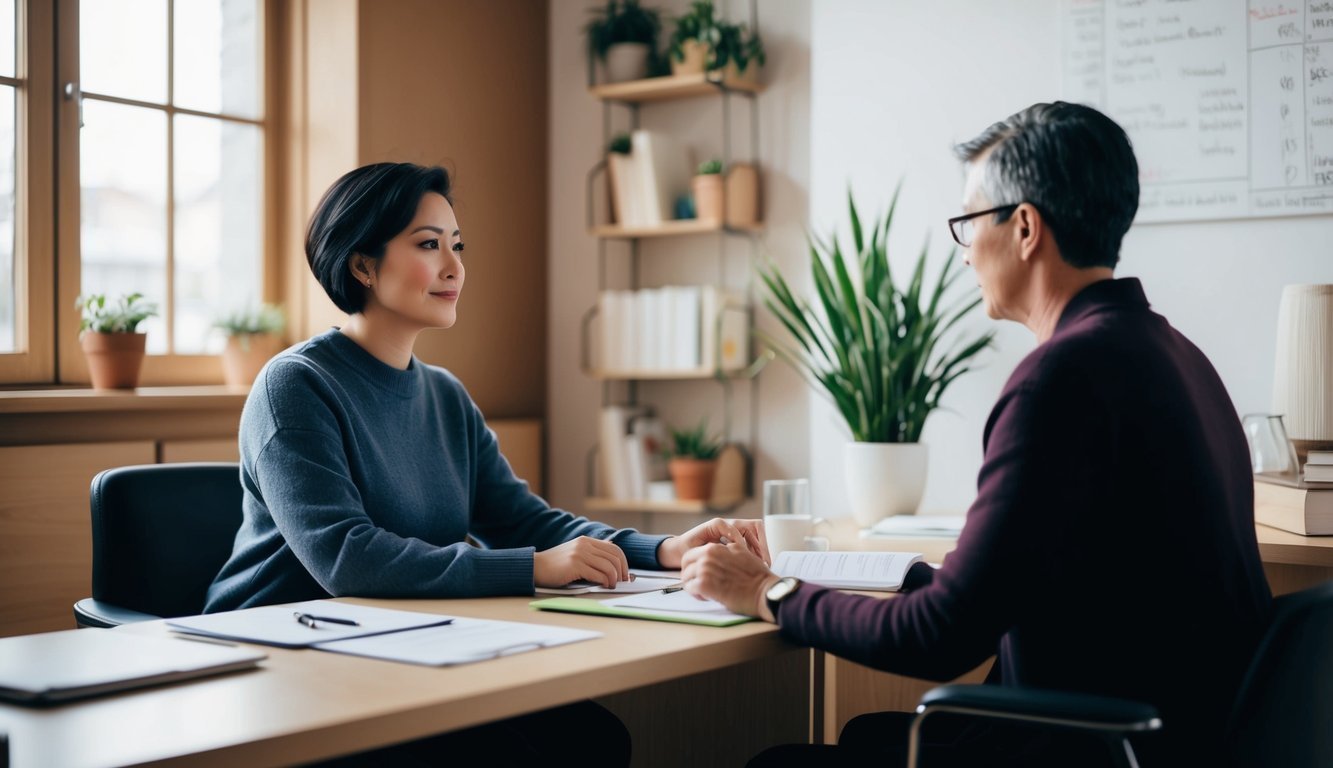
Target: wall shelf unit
(621, 385)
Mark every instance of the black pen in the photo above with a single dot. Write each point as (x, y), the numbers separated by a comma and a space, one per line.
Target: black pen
(676, 588)
(309, 620)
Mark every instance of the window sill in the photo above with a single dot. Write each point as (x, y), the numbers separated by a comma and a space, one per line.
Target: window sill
(81, 400)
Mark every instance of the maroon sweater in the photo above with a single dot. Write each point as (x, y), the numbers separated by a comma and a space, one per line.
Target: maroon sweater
(1111, 546)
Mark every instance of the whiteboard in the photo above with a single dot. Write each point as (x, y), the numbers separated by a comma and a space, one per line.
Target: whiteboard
(1229, 103)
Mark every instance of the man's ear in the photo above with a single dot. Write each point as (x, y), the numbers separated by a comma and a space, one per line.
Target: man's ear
(1029, 229)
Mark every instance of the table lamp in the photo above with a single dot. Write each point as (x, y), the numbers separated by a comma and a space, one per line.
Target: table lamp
(1303, 375)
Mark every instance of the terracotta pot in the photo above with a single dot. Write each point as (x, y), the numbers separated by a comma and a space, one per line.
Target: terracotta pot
(696, 56)
(693, 478)
(742, 195)
(709, 202)
(114, 359)
(245, 354)
(750, 75)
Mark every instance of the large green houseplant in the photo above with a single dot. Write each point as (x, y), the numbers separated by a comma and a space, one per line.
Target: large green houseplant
(877, 349)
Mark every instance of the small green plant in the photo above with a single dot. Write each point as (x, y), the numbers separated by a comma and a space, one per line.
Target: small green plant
(123, 317)
(622, 21)
(735, 43)
(694, 443)
(620, 145)
(710, 168)
(266, 318)
(700, 25)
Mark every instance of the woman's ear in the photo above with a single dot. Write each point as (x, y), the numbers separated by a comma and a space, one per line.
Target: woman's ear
(1030, 229)
(360, 267)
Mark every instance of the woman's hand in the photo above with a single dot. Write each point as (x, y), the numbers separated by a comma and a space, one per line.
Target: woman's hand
(731, 575)
(585, 558)
(749, 533)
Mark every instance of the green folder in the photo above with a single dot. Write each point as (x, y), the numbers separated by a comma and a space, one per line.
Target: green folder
(597, 607)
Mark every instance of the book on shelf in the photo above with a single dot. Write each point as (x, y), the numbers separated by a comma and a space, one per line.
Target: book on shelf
(645, 184)
(672, 328)
(1293, 506)
(613, 429)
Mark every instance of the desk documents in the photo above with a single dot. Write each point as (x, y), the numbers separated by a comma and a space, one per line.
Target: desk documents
(460, 642)
(283, 626)
(58, 666)
(875, 571)
(678, 606)
(639, 584)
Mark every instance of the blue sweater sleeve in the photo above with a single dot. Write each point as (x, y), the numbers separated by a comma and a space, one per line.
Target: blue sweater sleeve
(508, 514)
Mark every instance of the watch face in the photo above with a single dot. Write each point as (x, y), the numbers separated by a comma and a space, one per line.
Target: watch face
(782, 588)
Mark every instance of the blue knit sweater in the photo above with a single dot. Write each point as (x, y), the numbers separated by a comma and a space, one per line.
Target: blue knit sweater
(362, 479)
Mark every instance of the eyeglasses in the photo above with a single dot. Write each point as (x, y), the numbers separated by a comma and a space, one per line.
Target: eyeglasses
(961, 227)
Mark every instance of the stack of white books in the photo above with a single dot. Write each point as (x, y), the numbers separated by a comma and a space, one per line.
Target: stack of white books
(631, 443)
(1319, 467)
(670, 329)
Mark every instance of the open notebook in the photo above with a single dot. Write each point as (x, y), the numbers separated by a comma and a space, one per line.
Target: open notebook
(875, 571)
(58, 666)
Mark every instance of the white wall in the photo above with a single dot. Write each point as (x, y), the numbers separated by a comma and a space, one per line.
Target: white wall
(576, 145)
(893, 85)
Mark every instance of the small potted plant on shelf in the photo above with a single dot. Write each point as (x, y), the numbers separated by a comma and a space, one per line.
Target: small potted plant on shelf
(110, 339)
(738, 52)
(693, 462)
(709, 200)
(693, 38)
(623, 36)
(253, 336)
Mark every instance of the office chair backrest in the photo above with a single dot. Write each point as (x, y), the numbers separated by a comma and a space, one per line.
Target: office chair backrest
(1284, 711)
(161, 532)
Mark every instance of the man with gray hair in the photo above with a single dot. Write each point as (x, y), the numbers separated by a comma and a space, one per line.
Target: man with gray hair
(1111, 547)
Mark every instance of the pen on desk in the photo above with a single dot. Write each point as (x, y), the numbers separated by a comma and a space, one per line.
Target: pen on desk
(676, 588)
(310, 620)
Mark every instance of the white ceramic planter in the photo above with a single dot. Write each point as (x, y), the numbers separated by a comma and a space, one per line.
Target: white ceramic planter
(626, 61)
(884, 479)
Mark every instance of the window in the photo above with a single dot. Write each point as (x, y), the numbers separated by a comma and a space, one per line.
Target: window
(9, 94)
(163, 137)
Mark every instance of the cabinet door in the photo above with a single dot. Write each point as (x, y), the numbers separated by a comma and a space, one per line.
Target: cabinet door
(46, 546)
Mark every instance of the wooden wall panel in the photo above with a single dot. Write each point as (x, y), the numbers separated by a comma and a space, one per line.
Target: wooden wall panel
(221, 449)
(521, 443)
(45, 536)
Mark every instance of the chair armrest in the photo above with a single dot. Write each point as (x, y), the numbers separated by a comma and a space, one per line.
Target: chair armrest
(1072, 710)
(96, 613)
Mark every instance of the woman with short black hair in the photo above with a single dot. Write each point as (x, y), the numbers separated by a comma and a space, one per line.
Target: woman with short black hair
(364, 470)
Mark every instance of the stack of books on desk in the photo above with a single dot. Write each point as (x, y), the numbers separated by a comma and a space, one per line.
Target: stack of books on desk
(1319, 468)
(1295, 505)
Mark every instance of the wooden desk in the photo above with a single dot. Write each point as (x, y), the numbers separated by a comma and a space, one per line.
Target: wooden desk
(712, 696)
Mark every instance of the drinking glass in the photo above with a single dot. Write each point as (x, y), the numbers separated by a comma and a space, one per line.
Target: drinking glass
(788, 524)
(1271, 452)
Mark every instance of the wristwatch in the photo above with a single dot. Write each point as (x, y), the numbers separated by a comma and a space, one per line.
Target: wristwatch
(781, 590)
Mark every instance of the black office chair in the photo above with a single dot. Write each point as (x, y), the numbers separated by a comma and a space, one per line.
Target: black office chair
(1281, 715)
(161, 532)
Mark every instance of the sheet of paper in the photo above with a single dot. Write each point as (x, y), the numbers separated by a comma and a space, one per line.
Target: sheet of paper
(462, 642)
(672, 602)
(644, 572)
(920, 525)
(277, 624)
(634, 587)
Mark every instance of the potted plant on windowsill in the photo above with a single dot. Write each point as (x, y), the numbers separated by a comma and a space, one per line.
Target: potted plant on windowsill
(875, 348)
(623, 36)
(693, 462)
(254, 334)
(110, 339)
